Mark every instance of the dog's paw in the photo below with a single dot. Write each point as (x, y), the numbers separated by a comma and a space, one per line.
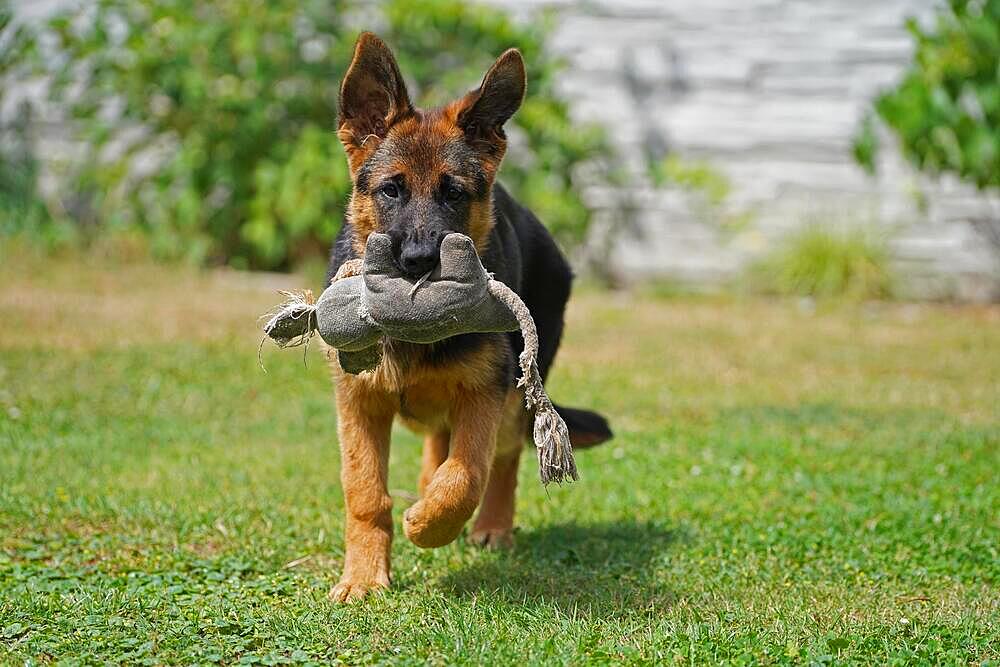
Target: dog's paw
(492, 538)
(352, 591)
(427, 530)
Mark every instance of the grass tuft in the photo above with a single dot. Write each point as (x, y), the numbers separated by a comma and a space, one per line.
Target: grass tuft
(820, 261)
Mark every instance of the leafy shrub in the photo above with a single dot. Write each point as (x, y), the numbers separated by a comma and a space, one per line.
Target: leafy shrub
(819, 261)
(211, 124)
(946, 110)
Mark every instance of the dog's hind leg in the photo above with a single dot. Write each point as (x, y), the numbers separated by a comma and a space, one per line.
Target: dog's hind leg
(494, 526)
(435, 453)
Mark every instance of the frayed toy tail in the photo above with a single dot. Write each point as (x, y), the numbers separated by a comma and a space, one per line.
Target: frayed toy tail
(555, 453)
(291, 323)
(550, 433)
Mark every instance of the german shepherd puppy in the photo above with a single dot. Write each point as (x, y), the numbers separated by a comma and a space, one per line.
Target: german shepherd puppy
(419, 175)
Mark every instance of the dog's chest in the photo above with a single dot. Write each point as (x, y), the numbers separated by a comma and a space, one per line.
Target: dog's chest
(426, 387)
(428, 404)
(425, 394)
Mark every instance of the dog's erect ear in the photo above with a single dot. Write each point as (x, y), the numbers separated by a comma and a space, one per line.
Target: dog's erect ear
(372, 97)
(487, 108)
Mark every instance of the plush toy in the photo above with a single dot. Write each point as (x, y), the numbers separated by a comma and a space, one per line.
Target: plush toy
(371, 299)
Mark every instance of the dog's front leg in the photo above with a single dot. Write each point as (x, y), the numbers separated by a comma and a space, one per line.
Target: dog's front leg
(364, 423)
(457, 486)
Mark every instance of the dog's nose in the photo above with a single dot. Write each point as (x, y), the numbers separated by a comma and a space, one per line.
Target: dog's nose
(416, 258)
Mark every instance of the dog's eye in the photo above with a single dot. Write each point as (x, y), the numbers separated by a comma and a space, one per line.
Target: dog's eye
(390, 190)
(453, 194)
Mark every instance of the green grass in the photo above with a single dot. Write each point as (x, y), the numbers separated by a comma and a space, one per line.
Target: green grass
(784, 487)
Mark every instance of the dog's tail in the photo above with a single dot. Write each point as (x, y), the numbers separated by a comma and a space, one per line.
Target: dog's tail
(586, 428)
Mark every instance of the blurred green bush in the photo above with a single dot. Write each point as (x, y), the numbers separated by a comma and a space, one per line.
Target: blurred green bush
(707, 189)
(946, 110)
(20, 208)
(209, 126)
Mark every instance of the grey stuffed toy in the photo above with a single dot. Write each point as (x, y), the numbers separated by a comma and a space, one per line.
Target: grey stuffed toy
(356, 312)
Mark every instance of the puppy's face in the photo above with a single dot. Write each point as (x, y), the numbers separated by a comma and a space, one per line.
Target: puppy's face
(420, 175)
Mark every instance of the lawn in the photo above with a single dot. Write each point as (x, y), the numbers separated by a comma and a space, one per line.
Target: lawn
(787, 484)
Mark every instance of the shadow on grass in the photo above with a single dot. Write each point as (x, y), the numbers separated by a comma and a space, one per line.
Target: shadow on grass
(603, 570)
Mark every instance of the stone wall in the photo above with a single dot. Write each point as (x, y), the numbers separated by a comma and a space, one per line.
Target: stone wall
(769, 92)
